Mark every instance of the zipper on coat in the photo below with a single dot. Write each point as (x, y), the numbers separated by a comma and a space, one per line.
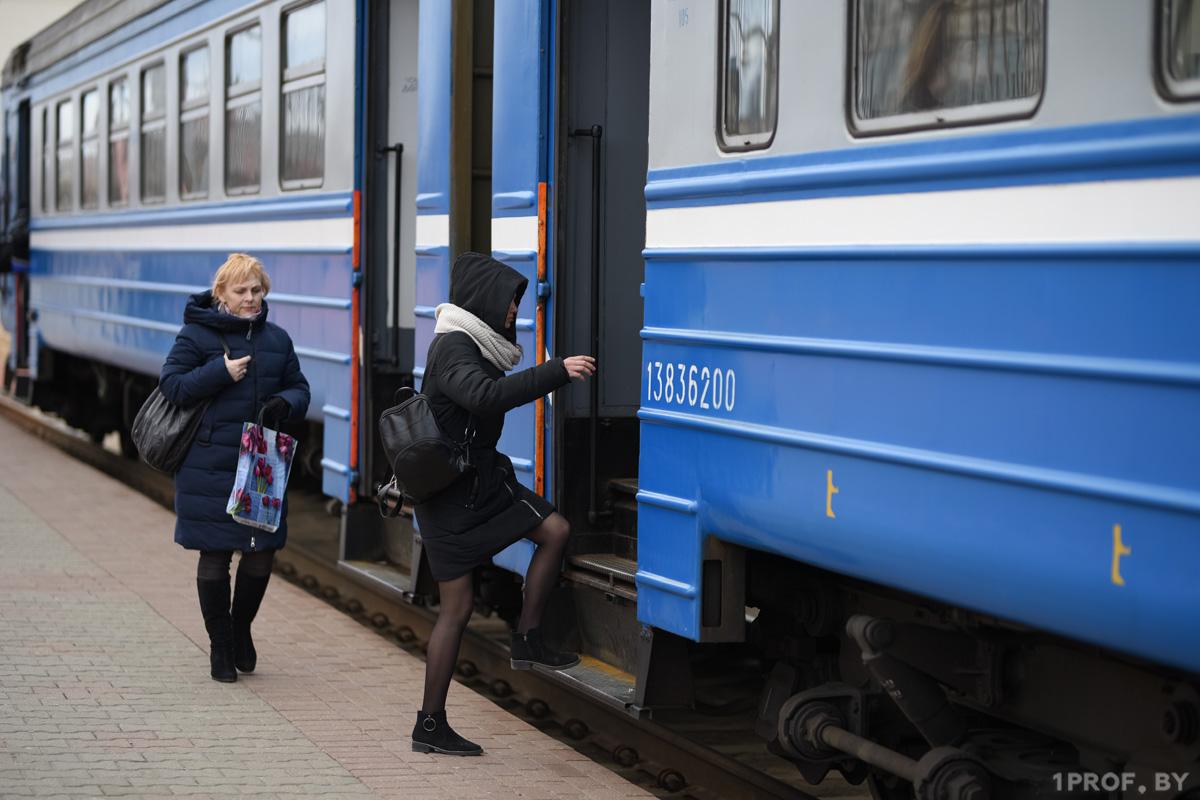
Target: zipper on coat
(513, 495)
(254, 365)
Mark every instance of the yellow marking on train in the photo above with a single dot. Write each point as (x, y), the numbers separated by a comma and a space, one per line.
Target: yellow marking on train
(1119, 549)
(830, 491)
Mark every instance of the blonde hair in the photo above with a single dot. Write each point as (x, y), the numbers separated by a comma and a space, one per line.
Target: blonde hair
(240, 268)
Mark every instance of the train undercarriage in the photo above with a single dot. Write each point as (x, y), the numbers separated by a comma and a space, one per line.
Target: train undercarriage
(915, 698)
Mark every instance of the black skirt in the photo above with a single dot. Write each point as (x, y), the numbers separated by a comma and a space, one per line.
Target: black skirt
(474, 535)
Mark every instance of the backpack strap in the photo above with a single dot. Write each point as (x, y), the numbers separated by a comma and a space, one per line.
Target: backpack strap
(431, 366)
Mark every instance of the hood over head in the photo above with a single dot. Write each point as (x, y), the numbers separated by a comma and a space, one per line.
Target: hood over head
(484, 286)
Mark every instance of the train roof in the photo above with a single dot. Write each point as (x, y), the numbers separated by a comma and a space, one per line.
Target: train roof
(82, 25)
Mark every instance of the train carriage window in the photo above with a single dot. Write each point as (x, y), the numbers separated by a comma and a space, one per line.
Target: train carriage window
(1179, 58)
(47, 156)
(933, 63)
(64, 163)
(243, 111)
(302, 129)
(89, 150)
(750, 81)
(118, 142)
(193, 124)
(154, 134)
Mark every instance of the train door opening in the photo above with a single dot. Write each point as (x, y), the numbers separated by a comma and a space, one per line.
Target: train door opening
(14, 229)
(601, 70)
(426, 197)
(388, 266)
(389, 212)
(603, 95)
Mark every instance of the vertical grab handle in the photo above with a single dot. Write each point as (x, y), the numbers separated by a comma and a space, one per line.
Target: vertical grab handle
(595, 132)
(398, 149)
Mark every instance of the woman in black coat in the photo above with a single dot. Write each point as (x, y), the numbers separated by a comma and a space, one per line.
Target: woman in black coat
(261, 371)
(475, 343)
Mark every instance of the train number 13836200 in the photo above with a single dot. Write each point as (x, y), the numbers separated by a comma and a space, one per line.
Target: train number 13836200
(688, 384)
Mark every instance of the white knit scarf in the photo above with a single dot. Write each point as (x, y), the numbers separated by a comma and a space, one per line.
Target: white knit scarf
(495, 348)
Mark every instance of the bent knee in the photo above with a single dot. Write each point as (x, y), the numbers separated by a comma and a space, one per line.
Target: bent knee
(558, 530)
(554, 530)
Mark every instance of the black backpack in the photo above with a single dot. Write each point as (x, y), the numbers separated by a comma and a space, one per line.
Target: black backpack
(424, 459)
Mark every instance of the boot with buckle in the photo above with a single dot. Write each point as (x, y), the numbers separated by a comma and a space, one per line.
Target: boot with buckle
(530, 648)
(432, 734)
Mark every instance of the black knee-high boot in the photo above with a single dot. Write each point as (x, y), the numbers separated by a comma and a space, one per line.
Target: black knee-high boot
(214, 605)
(247, 596)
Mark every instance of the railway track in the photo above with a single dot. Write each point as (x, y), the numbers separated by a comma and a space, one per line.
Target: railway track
(678, 759)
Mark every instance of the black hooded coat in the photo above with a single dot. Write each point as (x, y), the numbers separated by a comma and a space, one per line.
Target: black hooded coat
(487, 510)
(195, 369)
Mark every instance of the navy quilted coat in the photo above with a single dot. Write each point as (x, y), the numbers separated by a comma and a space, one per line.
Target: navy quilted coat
(195, 369)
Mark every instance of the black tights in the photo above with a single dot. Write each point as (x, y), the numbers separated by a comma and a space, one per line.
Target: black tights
(458, 600)
(214, 564)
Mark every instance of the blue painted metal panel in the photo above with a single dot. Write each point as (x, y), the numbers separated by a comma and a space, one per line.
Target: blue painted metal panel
(433, 109)
(268, 209)
(516, 101)
(335, 471)
(433, 164)
(518, 137)
(1010, 429)
(125, 308)
(1163, 147)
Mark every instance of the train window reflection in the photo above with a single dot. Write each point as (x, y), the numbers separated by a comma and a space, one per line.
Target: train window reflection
(89, 150)
(946, 62)
(304, 41)
(154, 134)
(64, 165)
(118, 142)
(193, 124)
(243, 111)
(244, 63)
(1180, 43)
(750, 80)
(302, 127)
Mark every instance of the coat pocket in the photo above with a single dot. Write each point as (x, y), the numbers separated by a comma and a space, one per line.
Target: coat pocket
(204, 435)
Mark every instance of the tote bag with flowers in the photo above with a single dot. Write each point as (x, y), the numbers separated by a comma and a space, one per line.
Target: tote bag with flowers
(264, 463)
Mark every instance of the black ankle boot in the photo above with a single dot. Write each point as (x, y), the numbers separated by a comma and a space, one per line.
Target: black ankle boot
(529, 649)
(247, 596)
(432, 734)
(214, 605)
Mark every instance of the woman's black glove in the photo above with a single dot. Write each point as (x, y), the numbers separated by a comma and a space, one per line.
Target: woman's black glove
(276, 408)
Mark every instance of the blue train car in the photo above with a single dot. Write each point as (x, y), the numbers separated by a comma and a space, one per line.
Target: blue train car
(155, 139)
(920, 369)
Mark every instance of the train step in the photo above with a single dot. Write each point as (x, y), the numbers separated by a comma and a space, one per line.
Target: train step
(599, 681)
(623, 496)
(626, 486)
(610, 573)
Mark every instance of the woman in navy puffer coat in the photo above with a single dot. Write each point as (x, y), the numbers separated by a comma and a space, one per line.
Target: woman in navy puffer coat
(260, 372)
